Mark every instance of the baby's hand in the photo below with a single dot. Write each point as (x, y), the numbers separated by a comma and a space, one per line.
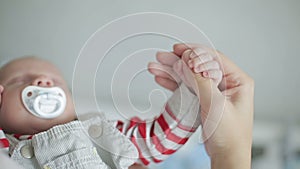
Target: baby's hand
(198, 61)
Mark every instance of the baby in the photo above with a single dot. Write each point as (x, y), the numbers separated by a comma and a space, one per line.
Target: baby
(42, 131)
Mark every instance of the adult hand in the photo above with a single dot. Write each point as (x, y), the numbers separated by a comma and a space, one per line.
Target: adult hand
(226, 110)
(163, 71)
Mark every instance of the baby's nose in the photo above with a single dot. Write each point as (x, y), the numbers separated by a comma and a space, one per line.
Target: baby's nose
(43, 81)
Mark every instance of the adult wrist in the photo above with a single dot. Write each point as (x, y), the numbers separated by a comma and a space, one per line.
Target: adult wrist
(232, 159)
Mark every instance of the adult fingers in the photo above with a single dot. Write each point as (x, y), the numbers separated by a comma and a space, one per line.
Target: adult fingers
(166, 58)
(163, 71)
(179, 48)
(166, 83)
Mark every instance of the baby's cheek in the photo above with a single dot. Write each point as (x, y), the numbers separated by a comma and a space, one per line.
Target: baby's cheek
(8, 122)
(13, 116)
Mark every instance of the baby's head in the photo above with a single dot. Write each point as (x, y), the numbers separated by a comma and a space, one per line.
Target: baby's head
(15, 76)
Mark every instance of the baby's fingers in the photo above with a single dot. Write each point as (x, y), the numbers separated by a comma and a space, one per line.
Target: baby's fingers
(215, 75)
(211, 65)
(200, 59)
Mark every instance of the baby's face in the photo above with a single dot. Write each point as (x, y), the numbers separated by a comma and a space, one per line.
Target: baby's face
(14, 77)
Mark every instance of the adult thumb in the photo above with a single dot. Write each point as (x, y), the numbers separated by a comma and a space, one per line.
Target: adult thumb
(212, 103)
(206, 90)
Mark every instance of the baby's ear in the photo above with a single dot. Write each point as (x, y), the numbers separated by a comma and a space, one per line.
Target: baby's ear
(1, 92)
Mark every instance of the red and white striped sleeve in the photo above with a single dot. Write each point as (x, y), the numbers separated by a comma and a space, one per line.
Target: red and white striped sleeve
(4, 144)
(162, 136)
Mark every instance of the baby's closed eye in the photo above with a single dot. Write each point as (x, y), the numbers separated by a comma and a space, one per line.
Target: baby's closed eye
(17, 80)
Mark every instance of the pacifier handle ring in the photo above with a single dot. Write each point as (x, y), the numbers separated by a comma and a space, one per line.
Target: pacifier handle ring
(46, 115)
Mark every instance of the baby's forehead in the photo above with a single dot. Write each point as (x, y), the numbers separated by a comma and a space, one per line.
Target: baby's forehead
(25, 64)
(28, 62)
(31, 60)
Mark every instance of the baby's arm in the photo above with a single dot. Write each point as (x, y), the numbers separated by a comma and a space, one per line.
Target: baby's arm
(158, 138)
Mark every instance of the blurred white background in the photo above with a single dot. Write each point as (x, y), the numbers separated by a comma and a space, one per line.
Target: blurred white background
(262, 37)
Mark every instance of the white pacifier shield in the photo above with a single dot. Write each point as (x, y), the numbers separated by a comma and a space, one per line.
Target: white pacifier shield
(44, 102)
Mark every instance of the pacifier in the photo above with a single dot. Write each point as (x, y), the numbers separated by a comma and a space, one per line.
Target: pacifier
(44, 102)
